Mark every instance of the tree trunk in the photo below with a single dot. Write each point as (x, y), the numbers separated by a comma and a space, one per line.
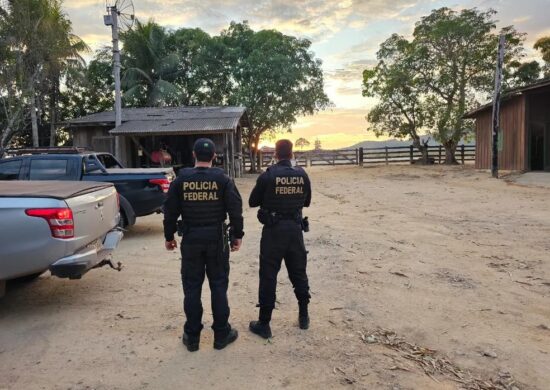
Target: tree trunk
(450, 150)
(422, 147)
(255, 166)
(53, 114)
(34, 120)
(8, 132)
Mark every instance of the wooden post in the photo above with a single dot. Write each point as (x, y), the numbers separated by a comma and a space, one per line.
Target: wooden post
(260, 157)
(496, 104)
(462, 153)
(440, 150)
(411, 154)
(387, 157)
(361, 156)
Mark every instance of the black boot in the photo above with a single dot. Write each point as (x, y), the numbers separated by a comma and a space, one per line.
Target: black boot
(303, 316)
(260, 328)
(221, 343)
(191, 342)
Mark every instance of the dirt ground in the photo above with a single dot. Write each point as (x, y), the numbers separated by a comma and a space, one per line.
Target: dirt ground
(447, 258)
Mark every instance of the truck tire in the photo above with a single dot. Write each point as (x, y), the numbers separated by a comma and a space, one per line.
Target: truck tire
(127, 213)
(123, 222)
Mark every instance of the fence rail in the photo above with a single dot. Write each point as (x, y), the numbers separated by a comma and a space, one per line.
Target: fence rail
(362, 156)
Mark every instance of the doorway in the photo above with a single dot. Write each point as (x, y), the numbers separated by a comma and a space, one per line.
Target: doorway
(537, 147)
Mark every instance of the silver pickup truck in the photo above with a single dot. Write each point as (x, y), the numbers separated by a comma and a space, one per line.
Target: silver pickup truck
(66, 227)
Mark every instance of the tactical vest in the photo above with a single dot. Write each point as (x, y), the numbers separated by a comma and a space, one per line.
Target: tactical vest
(286, 191)
(203, 196)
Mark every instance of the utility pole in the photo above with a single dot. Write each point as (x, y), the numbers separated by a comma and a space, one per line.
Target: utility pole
(496, 104)
(116, 70)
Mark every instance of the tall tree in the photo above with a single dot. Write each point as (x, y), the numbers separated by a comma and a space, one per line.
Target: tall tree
(302, 143)
(402, 111)
(543, 45)
(203, 73)
(276, 77)
(518, 74)
(63, 57)
(455, 54)
(40, 46)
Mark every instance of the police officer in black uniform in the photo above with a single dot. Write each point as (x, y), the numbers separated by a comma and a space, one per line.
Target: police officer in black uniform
(203, 196)
(281, 192)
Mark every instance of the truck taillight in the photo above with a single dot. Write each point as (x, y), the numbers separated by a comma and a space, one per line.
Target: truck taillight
(164, 184)
(60, 221)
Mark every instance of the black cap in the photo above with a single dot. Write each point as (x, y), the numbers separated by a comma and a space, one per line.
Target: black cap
(204, 149)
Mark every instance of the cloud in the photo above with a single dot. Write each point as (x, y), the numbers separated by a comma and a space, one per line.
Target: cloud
(346, 35)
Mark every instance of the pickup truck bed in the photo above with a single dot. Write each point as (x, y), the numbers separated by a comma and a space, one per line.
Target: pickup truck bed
(142, 190)
(66, 227)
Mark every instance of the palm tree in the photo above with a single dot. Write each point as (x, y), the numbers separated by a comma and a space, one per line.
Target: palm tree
(40, 38)
(150, 70)
(63, 57)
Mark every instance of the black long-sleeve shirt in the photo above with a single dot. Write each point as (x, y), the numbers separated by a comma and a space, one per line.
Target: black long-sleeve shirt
(264, 191)
(203, 196)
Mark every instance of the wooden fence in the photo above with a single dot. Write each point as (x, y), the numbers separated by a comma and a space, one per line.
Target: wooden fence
(362, 156)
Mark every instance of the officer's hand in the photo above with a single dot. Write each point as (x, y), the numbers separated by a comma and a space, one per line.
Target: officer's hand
(236, 245)
(171, 245)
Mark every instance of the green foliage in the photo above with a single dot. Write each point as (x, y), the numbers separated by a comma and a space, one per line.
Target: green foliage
(543, 45)
(149, 68)
(38, 51)
(402, 111)
(519, 74)
(439, 75)
(318, 145)
(302, 143)
(276, 76)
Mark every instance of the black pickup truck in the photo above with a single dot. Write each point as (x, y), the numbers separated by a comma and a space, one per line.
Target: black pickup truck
(142, 190)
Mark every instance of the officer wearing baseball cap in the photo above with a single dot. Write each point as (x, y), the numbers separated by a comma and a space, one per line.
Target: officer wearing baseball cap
(203, 196)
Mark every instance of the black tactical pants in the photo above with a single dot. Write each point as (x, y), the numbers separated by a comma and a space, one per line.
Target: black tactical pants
(204, 257)
(284, 240)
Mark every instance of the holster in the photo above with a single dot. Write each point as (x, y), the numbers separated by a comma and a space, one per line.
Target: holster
(305, 224)
(267, 218)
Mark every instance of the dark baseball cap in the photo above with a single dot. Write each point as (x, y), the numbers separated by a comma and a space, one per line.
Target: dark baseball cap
(204, 149)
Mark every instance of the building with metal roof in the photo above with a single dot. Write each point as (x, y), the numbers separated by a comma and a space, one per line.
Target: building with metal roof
(524, 138)
(173, 130)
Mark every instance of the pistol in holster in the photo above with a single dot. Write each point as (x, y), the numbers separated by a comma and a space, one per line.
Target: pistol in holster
(305, 224)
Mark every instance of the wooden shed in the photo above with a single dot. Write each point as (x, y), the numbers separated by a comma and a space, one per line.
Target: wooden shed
(172, 129)
(524, 138)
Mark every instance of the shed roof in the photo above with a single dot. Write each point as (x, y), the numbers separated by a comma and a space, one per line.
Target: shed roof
(510, 94)
(168, 120)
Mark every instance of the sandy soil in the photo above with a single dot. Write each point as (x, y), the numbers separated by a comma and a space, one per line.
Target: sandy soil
(447, 258)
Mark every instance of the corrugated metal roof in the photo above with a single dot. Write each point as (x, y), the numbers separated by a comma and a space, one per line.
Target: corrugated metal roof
(151, 127)
(156, 113)
(507, 95)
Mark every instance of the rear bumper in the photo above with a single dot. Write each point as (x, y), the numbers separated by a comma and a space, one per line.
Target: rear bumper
(76, 265)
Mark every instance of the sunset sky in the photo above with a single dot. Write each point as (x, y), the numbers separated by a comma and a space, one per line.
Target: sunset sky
(345, 35)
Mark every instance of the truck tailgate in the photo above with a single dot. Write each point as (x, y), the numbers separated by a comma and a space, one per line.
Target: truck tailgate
(95, 214)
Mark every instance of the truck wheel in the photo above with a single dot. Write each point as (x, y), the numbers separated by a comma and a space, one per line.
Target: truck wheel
(123, 223)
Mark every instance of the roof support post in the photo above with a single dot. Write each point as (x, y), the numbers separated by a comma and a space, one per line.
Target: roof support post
(496, 105)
